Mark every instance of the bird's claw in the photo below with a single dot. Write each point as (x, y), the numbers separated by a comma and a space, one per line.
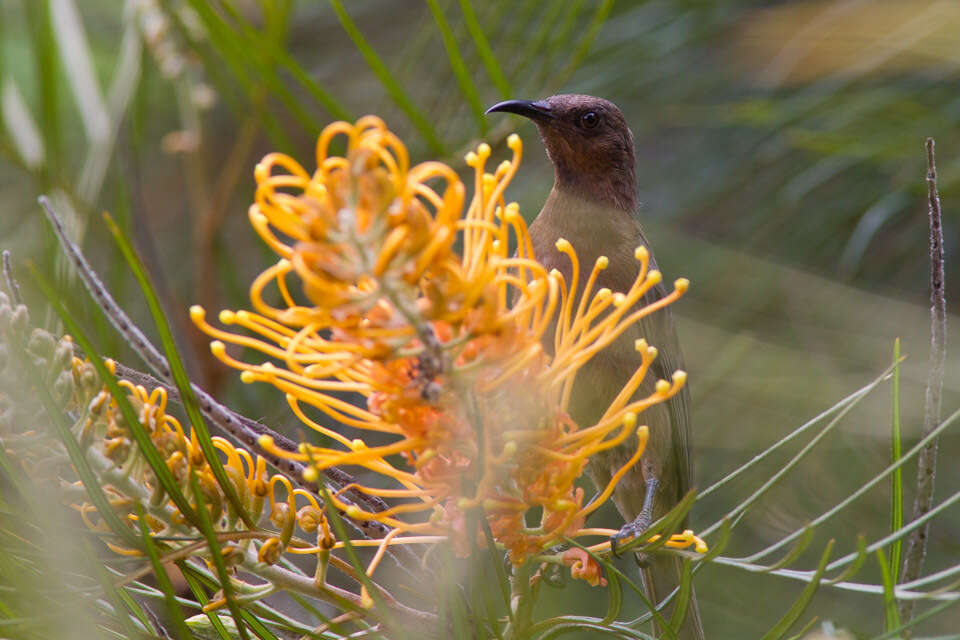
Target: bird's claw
(627, 533)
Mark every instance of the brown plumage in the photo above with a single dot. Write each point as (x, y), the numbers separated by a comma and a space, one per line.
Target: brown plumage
(593, 204)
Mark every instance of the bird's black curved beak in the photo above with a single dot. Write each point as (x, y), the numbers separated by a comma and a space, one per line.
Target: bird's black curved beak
(537, 111)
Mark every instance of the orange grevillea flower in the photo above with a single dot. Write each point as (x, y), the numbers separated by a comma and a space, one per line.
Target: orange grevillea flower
(387, 286)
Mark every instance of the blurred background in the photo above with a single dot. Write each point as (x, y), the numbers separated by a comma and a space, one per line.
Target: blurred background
(781, 169)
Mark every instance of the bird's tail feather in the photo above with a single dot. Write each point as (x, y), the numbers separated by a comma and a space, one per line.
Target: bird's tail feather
(660, 578)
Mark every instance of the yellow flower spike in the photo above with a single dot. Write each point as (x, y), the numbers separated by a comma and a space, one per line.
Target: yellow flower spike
(396, 314)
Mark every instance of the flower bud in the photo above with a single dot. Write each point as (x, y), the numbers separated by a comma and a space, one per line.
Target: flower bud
(232, 555)
(63, 356)
(6, 316)
(309, 518)
(269, 551)
(89, 380)
(279, 514)
(63, 387)
(20, 319)
(41, 344)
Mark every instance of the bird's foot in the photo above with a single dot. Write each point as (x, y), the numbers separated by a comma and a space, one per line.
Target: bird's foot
(629, 532)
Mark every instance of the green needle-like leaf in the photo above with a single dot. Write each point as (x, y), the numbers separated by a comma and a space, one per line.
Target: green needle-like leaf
(796, 551)
(206, 527)
(119, 598)
(502, 581)
(683, 597)
(389, 82)
(176, 617)
(614, 598)
(896, 479)
(268, 47)
(459, 67)
(891, 614)
(483, 48)
(89, 479)
(119, 394)
(333, 513)
(793, 614)
(179, 373)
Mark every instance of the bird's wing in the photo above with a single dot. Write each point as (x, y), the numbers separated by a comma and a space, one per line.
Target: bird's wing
(670, 359)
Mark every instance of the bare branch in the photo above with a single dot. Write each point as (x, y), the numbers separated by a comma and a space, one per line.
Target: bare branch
(927, 461)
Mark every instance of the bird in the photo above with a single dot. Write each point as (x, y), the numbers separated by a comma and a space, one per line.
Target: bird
(594, 205)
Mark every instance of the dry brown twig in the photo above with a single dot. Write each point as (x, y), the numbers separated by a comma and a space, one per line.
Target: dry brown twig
(927, 460)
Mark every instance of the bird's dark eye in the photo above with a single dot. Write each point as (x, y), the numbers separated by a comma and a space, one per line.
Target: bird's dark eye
(590, 119)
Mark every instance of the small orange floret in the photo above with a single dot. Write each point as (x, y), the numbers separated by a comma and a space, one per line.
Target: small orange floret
(584, 567)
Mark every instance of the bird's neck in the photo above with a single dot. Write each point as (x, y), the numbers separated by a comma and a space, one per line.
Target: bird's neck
(613, 186)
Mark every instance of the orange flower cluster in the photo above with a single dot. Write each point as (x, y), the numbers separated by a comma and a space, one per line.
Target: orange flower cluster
(437, 317)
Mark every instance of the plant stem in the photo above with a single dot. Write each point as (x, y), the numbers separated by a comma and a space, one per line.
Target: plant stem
(927, 461)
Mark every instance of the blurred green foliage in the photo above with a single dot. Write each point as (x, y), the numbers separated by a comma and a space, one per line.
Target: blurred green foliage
(781, 168)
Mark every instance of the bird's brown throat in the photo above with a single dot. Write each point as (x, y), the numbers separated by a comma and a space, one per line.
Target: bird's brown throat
(606, 180)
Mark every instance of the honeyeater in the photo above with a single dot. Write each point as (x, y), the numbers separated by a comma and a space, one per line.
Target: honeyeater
(593, 204)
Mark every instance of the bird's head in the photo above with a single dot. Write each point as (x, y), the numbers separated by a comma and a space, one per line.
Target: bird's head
(589, 143)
